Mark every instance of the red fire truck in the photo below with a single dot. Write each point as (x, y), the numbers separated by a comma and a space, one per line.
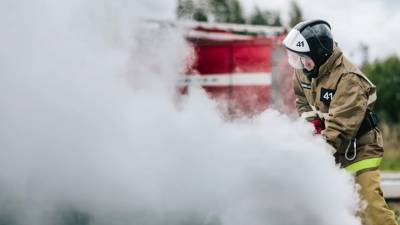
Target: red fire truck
(243, 66)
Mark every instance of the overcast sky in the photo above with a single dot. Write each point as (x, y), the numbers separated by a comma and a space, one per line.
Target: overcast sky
(374, 22)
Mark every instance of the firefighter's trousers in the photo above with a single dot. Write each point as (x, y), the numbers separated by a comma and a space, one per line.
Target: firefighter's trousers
(376, 212)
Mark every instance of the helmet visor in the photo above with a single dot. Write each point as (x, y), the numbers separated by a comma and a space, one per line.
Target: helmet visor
(299, 61)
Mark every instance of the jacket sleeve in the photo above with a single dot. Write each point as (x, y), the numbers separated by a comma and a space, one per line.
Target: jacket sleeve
(303, 107)
(346, 112)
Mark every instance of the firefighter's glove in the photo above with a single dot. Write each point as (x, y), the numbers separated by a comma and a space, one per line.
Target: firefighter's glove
(318, 126)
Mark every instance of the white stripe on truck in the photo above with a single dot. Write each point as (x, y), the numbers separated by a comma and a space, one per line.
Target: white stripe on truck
(229, 79)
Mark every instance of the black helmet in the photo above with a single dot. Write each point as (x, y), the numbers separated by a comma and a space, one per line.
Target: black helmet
(312, 38)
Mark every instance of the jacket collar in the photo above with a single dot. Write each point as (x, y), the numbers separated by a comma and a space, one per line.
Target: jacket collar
(334, 60)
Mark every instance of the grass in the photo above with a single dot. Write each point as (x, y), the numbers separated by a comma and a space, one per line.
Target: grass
(395, 206)
(390, 164)
(391, 137)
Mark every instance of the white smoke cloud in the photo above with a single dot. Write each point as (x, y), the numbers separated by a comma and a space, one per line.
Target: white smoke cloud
(89, 126)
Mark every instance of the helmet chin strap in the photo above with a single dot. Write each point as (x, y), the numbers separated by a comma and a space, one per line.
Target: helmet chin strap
(315, 71)
(311, 74)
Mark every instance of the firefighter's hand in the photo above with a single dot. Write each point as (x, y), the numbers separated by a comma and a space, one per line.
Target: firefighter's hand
(318, 126)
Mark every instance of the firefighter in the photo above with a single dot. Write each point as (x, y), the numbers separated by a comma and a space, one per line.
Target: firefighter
(334, 95)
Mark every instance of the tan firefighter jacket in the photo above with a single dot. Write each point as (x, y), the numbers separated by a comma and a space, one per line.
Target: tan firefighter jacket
(340, 97)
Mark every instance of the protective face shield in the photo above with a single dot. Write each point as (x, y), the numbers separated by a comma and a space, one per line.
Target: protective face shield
(299, 61)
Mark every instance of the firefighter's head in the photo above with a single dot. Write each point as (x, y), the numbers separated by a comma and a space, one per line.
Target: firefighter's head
(309, 45)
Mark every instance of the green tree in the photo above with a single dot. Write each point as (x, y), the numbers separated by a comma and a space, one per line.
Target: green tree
(224, 11)
(236, 13)
(385, 74)
(277, 21)
(265, 17)
(185, 9)
(227, 11)
(296, 16)
(220, 10)
(257, 18)
(200, 15)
